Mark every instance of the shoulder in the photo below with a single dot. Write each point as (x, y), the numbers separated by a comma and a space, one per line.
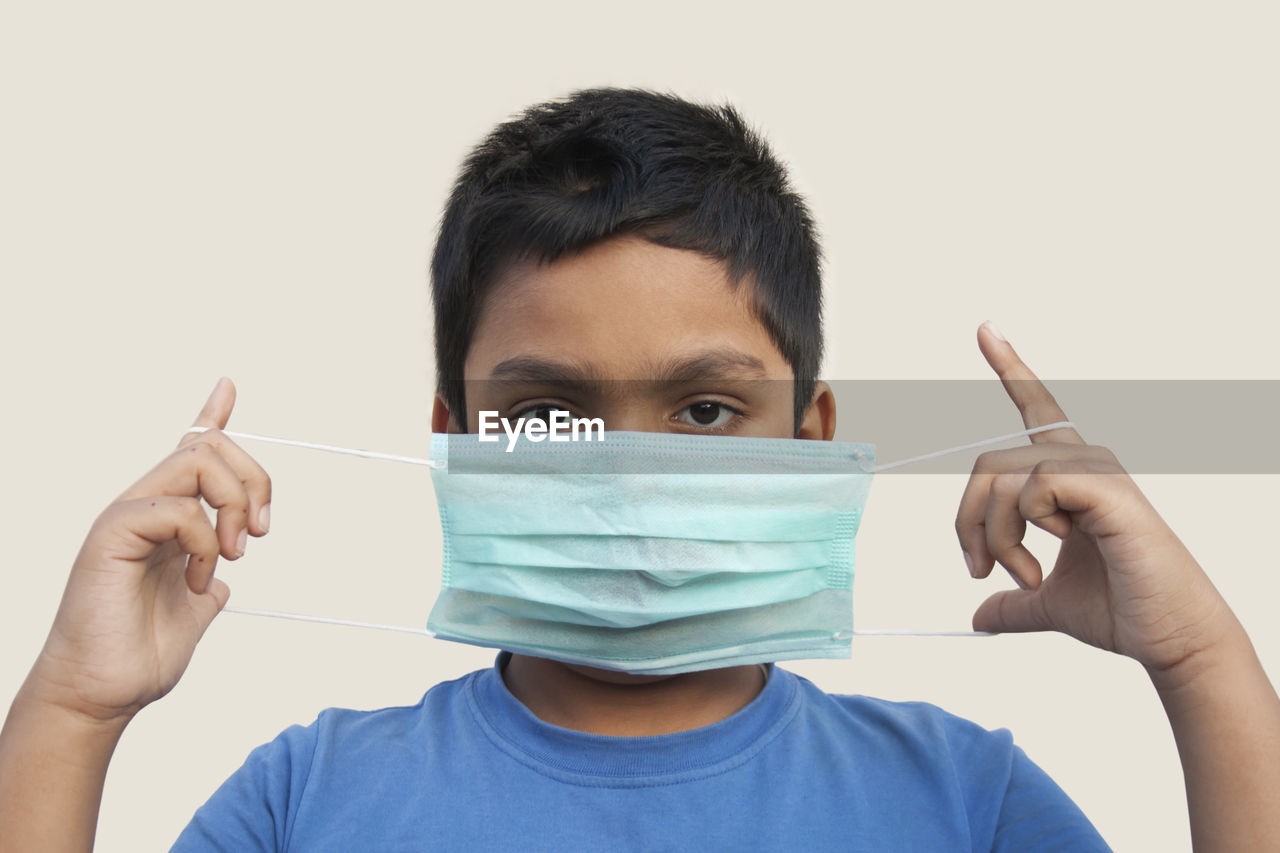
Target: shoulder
(347, 728)
(904, 721)
(917, 743)
(1010, 803)
(310, 770)
(343, 729)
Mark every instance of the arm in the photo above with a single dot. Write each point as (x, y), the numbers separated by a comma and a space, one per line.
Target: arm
(1124, 582)
(53, 763)
(139, 597)
(1226, 721)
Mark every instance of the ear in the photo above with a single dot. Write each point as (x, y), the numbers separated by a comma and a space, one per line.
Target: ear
(819, 422)
(442, 419)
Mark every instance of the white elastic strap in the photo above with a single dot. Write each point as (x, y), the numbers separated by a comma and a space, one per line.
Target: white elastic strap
(328, 448)
(971, 445)
(274, 614)
(870, 632)
(889, 632)
(413, 460)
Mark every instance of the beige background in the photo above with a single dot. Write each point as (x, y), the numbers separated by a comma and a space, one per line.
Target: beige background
(252, 189)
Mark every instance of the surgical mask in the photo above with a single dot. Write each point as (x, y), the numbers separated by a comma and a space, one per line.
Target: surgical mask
(649, 553)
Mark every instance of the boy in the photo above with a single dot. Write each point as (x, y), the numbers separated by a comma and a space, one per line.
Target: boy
(636, 258)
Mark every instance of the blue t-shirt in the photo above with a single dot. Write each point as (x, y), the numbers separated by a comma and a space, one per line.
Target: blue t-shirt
(471, 768)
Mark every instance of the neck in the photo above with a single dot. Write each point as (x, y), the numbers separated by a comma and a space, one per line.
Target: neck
(603, 702)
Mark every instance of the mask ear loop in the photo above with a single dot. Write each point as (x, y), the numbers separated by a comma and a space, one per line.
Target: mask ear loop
(348, 451)
(299, 617)
(888, 466)
(876, 469)
(434, 463)
(329, 448)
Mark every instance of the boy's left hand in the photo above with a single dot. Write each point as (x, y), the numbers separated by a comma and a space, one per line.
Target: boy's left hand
(1122, 580)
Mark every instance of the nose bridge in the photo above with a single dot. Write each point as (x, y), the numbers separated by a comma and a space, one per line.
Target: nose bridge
(633, 406)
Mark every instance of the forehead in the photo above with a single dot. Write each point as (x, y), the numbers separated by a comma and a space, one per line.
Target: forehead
(624, 308)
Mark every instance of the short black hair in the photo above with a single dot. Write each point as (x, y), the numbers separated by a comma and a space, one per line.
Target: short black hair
(603, 162)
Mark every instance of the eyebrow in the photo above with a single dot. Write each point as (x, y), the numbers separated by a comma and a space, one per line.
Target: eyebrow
(721, 364)
(724, 364)
(528, 368)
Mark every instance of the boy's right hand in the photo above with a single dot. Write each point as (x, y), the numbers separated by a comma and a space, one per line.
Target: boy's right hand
(142, 591)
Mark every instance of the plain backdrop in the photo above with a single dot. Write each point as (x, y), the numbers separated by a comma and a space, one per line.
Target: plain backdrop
(252, 189)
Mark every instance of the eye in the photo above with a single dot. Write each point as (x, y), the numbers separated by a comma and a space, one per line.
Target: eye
(707, 414)
(540, 412)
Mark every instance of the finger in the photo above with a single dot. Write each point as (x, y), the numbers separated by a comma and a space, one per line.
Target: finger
(216, 411)
(256, 481)
(971, 517)
(1057, 523)
(1038, 504)
(1086, 493)
(1036, 405)
(1012, 610)
(208, 605)
(215, 416)
(971, 522)
(220, 591)
(199, 470)
(1005, 528)
(138, 527)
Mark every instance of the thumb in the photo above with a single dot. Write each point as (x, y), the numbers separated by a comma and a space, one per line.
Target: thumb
(209, 605)
(1012, 610)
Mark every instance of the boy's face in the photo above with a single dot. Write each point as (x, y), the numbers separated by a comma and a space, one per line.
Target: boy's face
(645, 337)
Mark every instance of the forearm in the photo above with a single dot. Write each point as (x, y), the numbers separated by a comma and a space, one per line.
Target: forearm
(1226, 722)
(53, 763)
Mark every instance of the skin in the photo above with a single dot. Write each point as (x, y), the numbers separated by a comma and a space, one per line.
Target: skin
(669, 324)
(637, 335)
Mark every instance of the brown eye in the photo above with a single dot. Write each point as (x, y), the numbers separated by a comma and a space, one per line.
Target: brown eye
(706, 414)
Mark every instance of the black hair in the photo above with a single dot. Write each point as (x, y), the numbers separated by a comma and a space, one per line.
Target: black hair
(603, 162)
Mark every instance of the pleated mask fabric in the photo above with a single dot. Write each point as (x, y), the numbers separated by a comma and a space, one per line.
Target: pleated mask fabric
(772, 531)
(650, 553)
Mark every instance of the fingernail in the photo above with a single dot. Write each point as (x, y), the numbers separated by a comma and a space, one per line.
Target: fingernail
(242, 542)
(992, 328)
(968, 561)
(207, 584)
(264, 517)
(1018, 580)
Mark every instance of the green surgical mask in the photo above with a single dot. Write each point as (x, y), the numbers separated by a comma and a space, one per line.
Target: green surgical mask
(647, 552)
(650, 553)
